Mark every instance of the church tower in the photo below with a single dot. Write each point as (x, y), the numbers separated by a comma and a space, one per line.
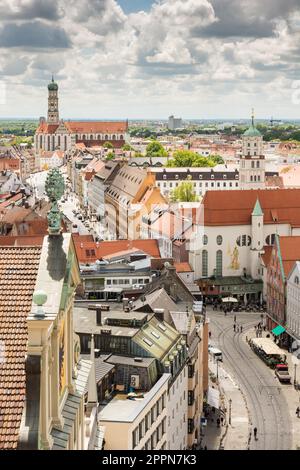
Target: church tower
(252, 161)
(53, 114)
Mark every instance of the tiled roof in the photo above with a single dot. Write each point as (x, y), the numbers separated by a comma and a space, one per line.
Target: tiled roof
(235, 207)
(18, 272)
(107, 248)
(93, 127)
(183, 267)
(290, 252)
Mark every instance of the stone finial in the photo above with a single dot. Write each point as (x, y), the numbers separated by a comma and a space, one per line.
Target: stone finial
(55, 188)
(39, 298)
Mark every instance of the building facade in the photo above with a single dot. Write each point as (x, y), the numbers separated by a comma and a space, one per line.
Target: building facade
(56, 134)
(293, 301)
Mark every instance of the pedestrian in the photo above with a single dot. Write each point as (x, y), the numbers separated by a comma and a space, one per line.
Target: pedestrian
(218, 422)
(234, 318)
(234, 327)
(222, 420)
(237, 328)
(298, 412)
(255, 433)
(241, 328)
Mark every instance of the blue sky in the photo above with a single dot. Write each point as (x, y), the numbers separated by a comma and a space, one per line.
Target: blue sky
(191, 58)
(130, 6)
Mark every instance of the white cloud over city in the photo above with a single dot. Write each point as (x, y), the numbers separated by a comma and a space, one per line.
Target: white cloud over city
(194, 58)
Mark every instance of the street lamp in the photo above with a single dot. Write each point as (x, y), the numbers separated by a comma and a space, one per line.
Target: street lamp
(230, 402)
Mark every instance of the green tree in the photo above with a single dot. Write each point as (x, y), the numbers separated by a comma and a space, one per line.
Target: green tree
(217, 159)
(155, 149)
(110, 156)
(186, 158)
(127, 148)
(184, 192)
(108, 145)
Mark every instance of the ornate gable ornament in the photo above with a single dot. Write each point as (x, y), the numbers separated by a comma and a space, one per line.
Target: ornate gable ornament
(55, 188)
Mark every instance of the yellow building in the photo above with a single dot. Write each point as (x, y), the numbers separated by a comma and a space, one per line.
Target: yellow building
(41, 374)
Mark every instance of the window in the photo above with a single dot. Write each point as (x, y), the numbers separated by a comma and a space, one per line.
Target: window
(205, 240)
(219, 240)
(243, 240)
(270, 240)
(296, 280)
(257, 164)
(219, 263)
(204, 263)
(135, 437)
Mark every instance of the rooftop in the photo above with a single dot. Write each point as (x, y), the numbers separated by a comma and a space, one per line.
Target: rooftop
(18, 275)
(120, 409)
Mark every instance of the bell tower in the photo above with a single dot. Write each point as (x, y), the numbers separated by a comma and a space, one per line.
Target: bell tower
(252, 161)
(53, 113)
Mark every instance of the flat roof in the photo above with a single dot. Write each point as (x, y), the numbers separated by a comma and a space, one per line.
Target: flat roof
(146, 361)
(85, 321)
(121, 410)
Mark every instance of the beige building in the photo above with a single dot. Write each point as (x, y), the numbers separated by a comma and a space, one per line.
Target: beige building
(139, 424)
(42, 377)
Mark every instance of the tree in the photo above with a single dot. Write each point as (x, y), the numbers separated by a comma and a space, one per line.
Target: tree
(184, 192)
(155, 149)
(108, 145)
(186, 158)
(127, 148)
(110, 156)
(217, 159)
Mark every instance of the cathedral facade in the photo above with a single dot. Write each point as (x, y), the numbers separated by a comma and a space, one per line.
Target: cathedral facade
(56, 134)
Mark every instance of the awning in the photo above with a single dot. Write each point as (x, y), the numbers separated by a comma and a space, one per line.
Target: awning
(278, 330)
(229, 299)
(213, 397)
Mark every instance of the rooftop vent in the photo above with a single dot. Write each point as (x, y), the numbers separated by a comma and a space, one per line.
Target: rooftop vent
(138, 359)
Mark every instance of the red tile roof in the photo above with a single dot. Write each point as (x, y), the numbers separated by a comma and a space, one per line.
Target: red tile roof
(21, 240)
(183, 267)
(290, 252)
(106, 248)
(18, 272)
(86, 127)
(235, 207)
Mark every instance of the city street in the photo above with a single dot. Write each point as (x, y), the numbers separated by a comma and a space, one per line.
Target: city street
(266, 402)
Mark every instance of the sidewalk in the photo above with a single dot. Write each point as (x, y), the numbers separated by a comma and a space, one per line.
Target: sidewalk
(234, 434)
(291, 395)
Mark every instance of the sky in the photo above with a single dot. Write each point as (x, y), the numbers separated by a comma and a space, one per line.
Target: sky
(143, 59)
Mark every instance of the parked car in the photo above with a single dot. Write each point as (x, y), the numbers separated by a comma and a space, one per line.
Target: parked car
(282, 373)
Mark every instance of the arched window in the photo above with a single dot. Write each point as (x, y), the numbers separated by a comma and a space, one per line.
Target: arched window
(270, 240)
(244, 240)
(219, 240)
(91, 137)
(204, 263)
(53, 142)
(41, 141)
(205, 240)
(48, 142)
(99, 137)
(83, 137)
(66, 143)
(58, 140)
(106, 137)
(219, 263)
(121, 137)
(296, 280)
(113, 137)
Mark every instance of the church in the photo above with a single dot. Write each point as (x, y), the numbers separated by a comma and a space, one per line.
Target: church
(57, 134)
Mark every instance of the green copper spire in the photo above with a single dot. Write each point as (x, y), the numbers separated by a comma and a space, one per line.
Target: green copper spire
(257, 211)
(55, 188)
(252, 131)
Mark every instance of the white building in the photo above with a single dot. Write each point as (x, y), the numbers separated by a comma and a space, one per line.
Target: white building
(56, 134)
(174, 123)
(252, 161)
(293, 301)
(234, 228)
(139, 424)
(177, 412)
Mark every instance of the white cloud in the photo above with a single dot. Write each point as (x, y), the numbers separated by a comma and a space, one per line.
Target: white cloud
(171, 58)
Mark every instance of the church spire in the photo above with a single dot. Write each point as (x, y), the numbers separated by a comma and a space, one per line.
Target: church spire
(253, 117)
